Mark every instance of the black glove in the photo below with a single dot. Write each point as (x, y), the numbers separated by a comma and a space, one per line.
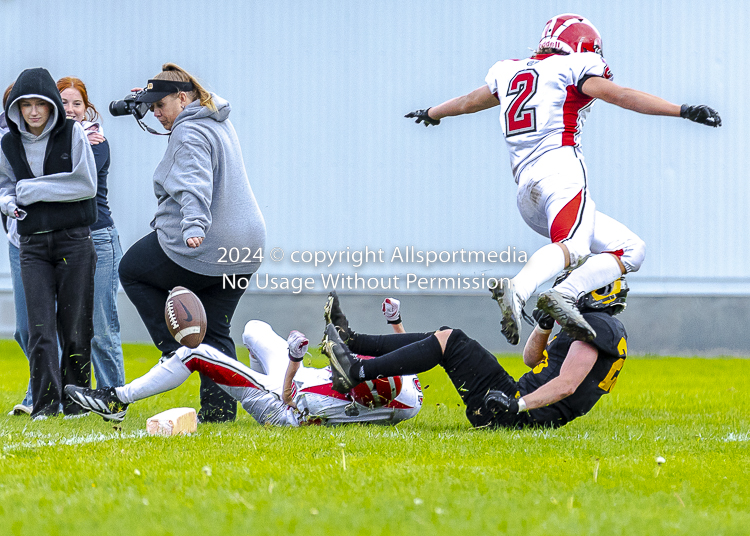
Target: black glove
(421, 115)
(499, 403)
(701, 114)
(543, 320)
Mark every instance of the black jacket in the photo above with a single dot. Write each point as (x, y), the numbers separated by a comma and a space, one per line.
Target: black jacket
(43, 216)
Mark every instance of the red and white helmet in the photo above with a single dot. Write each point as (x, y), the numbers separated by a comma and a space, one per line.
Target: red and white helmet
(377, 393)
(571, 33)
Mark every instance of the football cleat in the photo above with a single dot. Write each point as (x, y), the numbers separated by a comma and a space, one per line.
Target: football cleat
(333, 314)
(511, 307)
(564, 310)
(341, 360)
(103, 402)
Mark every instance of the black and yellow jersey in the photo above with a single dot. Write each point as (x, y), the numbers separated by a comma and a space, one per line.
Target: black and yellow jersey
(611, 341)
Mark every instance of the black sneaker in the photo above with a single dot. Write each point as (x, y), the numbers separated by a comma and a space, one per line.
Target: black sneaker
(103, 402)
(563, 309)
(341, 360)
(333, 314)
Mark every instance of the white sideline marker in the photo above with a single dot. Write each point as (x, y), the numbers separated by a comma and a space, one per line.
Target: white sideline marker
(175, 421)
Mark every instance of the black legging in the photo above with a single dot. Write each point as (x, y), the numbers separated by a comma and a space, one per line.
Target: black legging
(472, 369)
(147, 275)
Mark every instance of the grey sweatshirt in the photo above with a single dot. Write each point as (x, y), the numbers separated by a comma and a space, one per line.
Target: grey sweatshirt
(78, 184)
(203, 191)
(11, 223)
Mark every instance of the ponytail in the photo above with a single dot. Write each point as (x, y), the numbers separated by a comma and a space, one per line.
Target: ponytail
(175, 73)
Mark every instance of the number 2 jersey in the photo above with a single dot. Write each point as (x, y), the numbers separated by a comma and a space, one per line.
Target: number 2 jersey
(611, 341)
(542, 106)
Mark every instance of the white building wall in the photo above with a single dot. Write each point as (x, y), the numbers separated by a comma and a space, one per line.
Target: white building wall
(319, 90)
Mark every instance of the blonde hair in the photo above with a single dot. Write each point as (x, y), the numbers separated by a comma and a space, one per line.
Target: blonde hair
(175, 73)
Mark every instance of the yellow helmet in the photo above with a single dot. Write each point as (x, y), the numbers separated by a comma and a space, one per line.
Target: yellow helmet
(612, 295)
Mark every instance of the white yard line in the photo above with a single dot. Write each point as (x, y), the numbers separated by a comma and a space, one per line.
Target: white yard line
(41, 440)
(745, 436)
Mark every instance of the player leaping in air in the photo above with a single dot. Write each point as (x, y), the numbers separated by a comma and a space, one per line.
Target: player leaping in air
(276, 389)
(543, 103)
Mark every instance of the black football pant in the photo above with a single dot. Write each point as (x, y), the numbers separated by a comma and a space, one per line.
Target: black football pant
(147, 275)
(472, 369)
(57, 269)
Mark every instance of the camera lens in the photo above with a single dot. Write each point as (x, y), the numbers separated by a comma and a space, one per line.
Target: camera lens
(120, 107)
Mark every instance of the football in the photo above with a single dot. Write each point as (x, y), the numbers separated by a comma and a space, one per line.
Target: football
(185, 316)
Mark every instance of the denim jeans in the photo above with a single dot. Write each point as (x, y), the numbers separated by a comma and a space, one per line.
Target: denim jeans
(57, 269)
(147, 275)
(21, 334)
(106, 348)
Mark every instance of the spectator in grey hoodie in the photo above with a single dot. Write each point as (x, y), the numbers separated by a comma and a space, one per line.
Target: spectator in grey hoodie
(208, 229)
(48, 184)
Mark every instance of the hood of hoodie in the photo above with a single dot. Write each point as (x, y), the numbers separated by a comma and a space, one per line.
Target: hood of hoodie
(194, 110)
(34, 83)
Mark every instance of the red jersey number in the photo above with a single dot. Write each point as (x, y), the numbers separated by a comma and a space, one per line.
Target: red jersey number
(518, 118)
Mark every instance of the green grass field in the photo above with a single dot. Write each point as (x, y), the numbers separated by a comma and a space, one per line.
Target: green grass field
(431, 475)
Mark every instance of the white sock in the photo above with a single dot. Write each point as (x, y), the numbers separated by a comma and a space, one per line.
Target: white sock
(598, 271)
(543, 265)
(163, 377)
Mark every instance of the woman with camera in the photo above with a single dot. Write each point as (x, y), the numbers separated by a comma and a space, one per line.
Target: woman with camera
(106, 348)
(209, 232)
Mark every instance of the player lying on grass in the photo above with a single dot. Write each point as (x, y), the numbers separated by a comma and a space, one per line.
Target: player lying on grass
(567, 378)
(276, 389)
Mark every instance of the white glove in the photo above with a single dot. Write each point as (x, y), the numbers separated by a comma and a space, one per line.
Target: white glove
(298, 344)
(391, 310)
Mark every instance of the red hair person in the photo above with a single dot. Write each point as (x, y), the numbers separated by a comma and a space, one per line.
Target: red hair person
(106, 348)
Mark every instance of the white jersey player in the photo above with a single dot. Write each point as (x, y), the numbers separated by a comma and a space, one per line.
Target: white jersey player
(385, 400)
(544, 109)
(276, 389)
(543, 104)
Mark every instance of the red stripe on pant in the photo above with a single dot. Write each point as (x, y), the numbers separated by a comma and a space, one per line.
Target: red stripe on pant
(221, 374)
(566, 219)
(325, 389)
